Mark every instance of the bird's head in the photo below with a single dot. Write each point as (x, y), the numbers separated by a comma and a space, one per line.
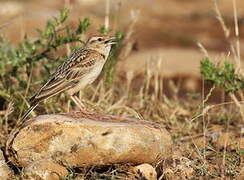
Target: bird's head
(100, 43)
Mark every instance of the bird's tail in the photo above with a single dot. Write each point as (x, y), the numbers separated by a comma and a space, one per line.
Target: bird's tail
(23, 118)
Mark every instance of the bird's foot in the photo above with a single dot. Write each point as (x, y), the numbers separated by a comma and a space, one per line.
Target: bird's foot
(81, 105)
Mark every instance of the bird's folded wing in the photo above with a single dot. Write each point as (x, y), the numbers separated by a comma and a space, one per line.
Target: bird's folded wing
(67, 75)
(53, 87)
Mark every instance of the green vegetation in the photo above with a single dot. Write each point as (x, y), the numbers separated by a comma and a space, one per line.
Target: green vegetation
(110, 65)
(55, 34)
(222, 76)
(16, 63)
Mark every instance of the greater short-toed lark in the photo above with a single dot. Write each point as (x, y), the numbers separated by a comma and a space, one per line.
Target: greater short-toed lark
(80, 69)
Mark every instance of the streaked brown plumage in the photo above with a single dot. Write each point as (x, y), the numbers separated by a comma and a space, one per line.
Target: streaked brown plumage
(80, 69)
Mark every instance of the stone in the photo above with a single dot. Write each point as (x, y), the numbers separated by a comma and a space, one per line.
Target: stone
(145, 171)
(46, 170)
(78, 140)
(5, 172)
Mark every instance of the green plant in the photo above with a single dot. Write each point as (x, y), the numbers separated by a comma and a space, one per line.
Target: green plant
(17, 61)
(110, 65)
(55, 34)
(222, 76)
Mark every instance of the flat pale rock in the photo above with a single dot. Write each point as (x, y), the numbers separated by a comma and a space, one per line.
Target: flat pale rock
(91, 139)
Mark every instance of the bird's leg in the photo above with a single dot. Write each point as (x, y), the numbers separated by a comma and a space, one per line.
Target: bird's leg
(69, 103)
(79, 103)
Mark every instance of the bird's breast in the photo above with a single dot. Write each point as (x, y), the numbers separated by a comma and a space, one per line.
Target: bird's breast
(94, 72)
(88, 78)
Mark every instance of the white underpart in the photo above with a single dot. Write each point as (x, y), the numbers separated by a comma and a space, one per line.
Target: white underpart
(92, 75)
(107, 50)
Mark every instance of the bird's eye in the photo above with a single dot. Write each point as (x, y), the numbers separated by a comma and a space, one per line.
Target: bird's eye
(99, 39)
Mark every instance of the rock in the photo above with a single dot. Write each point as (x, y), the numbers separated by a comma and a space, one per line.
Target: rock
(145, 171)
(46, 170)
(5, 172)
(91, 139)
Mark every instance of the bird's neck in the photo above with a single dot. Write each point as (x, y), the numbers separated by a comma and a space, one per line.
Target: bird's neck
(103, 51)
(106, 52)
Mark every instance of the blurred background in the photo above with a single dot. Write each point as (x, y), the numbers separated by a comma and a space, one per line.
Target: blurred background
(165, 30)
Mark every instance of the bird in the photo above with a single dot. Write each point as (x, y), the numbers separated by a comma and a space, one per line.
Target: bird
(80, 69)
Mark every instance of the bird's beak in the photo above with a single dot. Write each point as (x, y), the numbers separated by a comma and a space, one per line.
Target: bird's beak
(111, 41)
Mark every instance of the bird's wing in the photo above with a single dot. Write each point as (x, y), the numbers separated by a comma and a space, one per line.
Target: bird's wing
(67, 74)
